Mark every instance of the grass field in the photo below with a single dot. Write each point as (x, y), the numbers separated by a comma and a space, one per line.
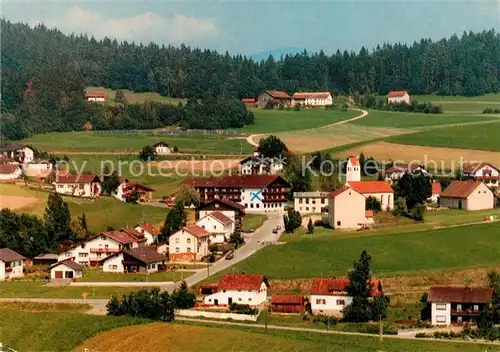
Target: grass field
(252, 221)
(399, 253)
(100, 213)
(44, 307)
(133, 97)
(97, 275)
(463, 104)
(477, 137)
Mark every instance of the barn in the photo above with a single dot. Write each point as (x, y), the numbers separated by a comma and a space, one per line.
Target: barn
(289, 304)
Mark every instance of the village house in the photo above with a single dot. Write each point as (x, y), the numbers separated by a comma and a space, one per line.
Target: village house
(37, 168)
(17, 153)
(162, 148)
(287, 304)
(11, 264)
(379, 190)
(456, 305)
(353, 169)
(125, 189)
(189, 244)
(347, 210)
(250, 289)
(275, 97)
(484, 172)
(98, 247)
(329, 295)
(67, 269)
(310, 202)
(219, 225)
(233, 210)
(395, 172)
(84, 185)
(436, 190)
(467, 195)
(398, 97)
(96, 97)
(150, 232)
(10, 172)
(45, 259)
(135, 260)
(258, 193)
(312, 99)
(259, 165)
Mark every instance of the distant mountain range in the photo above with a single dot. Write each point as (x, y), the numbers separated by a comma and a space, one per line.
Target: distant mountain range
(276, 53)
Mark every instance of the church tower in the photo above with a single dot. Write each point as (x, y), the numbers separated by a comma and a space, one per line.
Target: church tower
(353, 170)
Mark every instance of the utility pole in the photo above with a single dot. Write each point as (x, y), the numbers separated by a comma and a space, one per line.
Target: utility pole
(380, 329)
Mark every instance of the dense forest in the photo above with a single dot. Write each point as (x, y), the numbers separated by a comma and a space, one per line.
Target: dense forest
(60, 66)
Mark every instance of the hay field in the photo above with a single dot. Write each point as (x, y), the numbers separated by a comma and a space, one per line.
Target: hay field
(16, 202)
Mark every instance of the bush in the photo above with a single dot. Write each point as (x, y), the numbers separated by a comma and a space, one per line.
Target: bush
(241, 309)
(176, 150)
(422, 334)
(183, 297)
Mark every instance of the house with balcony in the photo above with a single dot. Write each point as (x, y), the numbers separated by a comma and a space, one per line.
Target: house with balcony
(457, 305)
(257, 164)
(484, 172)
(11, 264)
(149, 231)
(135, 260)
(78, 185)
(18, 153)
(189, 244)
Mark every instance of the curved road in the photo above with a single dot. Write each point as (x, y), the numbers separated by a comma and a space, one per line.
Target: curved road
(250, 139)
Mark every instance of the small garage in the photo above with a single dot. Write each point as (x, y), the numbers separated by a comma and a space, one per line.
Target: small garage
(287, 304)
(66, 270)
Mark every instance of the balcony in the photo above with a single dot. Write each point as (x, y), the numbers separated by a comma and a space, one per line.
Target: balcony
(104, 250)
(465, 312)
(271, 200)
(277, 191)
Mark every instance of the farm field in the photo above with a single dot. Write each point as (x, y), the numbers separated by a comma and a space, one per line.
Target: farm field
(44, 307)
(97, 275)
(135, 98)
(477, 137)
(393, 254)
(100, 213)
(463, 104)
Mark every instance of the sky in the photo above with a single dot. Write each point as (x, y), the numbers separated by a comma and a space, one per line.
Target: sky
(251, 27)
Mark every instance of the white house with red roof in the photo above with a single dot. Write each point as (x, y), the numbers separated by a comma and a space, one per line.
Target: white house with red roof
(18, 153)
(189, 244)
(398, 97)
(219, 225)
(379, 190)
(436, 192)
(257, 164)
(484, 172)
(234, 211)
(96, 97)
(329, 295)
(347, 210)
(353, 169)
(248, 289)
(149, 231)
(312, 99)
(80, 185)
(162, 148)
(10, 171)
(126, 188)
(467, 195)
(98, 247)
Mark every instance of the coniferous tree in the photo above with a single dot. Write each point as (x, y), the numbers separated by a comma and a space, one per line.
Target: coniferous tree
(58, 218)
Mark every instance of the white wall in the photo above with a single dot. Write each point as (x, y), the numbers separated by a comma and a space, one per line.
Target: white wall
(255, 204)
(308, 205)
(446, 313)
(29, 154)
(215, 227)
(12, 176)
(347, 210)
(82, 254)
(330, 306)
(353, 172)
(252, 298)
(77, 189)
(184, 242)
(113, 264)
(404, 99)
(118, 193)
(162, 150)
(97, 99)
(229, 213)
(149, 236)
(64, 268)
(215, 315)
(481, 199)
(17, 269)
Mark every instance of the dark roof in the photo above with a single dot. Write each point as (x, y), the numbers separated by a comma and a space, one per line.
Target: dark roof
(83, 178)
(8, 255)
(7, 169)
(338, 287)
(287, 299)
(160, 143)
(241, 282)
(217, 215)
(338, 192)
(145, 254)
(12, 147)
(69, 263)
(47, 256)
(278, 94)
(227, 202)
(460, 294)
(234, 181)
(460, 189)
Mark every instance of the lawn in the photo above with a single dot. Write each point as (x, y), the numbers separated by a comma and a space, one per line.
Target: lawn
(463, 104)
(271, 121)
(54, 331)
(476, 137)
(39, 289)
(133, 97)
(393, 254)
(252, 221)
(97, 275)
(43, 307)
(61, 142)
(378, 118)
(154, 337)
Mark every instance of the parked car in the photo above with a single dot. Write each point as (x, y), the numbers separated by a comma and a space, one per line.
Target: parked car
(230, 255)
(275, 230)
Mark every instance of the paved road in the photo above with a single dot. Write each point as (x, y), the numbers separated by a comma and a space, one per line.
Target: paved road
(253, 243)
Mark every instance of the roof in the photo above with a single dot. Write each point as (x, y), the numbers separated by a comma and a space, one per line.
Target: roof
(196, 230)
(365, 187)
(287, 299)
(397, 93)
(7, 169)
(436, 188)
(149, 228)
(138, 186)
(95, 95)
(311, 95)
(234, 181)
(139, 236)
(229, 203)
(338, 192)
(472, 168)
(160, 143)
(47, 256)
(12, 147)
(8, 255)
(354, 160)
(241, 282)
(278, 94)
(248, 100)
(460, 294)
(83, 178)
(217, 215)
(145, 254)
(338, 286)
(69, 263)
(460, 189)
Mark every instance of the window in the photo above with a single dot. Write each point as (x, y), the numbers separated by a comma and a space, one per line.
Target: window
(177, 240)
(440, 319)
(307, 208)
(188, 249)
(83, 255)
(177, 250)
(322, 200)
(153, 266)
(341, 302)
(459, 307)
(339, 223)
(300, 200)
(112, 267)
(239, 299)
(476, 307)
(320, 301)
(307, 200)
(188, 240)
(257, 205)
(81, 186)
(249, 299)
(215, 227)
(440, 306)
(251, 205)
(314, 201)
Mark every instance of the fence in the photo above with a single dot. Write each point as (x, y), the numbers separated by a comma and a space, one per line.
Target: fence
(215, 315)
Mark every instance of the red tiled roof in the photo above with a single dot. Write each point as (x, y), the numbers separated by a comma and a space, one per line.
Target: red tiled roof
(248, 100)
(149, 228)
(397, 93)
(338, 287)
(119, 236)
(220, 217)
(278, 94)
(287, 299)
(365, 187)
(241, 282)
(234, 181)
(338, 192)
(369, 213)
(460, 294)
(8, 255)
(133, 233)
(7, 169)
(436, 188)
(460, 189)
(196, 230)
(83, 178)
(354, 160)
(311, 95)
(95, 95)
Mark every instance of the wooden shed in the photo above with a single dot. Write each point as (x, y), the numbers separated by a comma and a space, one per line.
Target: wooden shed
(290, 304)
